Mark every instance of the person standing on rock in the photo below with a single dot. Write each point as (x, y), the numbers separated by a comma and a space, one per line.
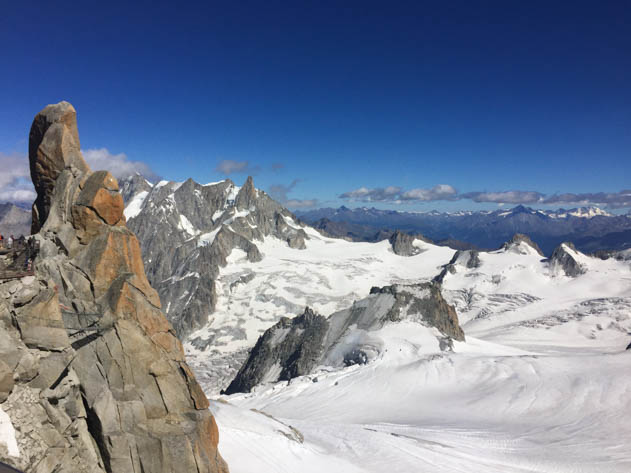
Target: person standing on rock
(1, 241)
(10, 242)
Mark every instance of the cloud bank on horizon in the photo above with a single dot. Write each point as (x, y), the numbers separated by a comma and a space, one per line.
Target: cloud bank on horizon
(280, 192)
(230, 166)
(16, 186)
(445, 192)
(15, 175)
(118, 164)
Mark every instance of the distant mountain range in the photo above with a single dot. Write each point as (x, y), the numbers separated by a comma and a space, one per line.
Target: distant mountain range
(14, 220)
(590, 228)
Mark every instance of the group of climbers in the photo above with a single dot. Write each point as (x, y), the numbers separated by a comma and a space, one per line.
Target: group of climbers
(19, 255)
(8, 242)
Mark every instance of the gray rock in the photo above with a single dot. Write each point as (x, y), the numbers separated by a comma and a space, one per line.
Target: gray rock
(53, 146)
(518, 238)
(293, 344)
(468, 258)
(134, 185)
(294, 347)
(402, 244)
(563, 260)
(6, 381)
(100, 383)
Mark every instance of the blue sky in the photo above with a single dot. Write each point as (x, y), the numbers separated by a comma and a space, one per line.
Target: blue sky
(411, 105)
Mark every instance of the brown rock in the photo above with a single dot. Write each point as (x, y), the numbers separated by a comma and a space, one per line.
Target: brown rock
(53, 146)
(198, 396)
(100, 193)
(115, 252)
(105, 387)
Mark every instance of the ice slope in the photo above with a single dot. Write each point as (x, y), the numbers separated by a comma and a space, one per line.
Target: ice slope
(328, 276)
(543, 384)
(513, 295)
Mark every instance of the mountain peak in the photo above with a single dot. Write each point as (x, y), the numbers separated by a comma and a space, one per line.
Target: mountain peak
(247, 195)
(520, 238)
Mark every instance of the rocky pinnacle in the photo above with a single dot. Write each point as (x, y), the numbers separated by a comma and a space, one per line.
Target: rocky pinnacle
(100, 382)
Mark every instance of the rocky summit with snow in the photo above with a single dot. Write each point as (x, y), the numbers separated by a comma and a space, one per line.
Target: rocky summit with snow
(188, 231)
(295, 347)
(92, 376)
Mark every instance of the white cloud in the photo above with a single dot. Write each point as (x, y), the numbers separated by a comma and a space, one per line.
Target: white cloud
(379, 194)
(394, 194)
(505, 197)
(279, 192)
(610, 199)
(229, 166)
(301, 204)
(15, 179)
(118, 164)
(439, 192)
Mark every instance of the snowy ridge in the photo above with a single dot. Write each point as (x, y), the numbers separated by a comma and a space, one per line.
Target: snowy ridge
(328, 276)
(541, 384)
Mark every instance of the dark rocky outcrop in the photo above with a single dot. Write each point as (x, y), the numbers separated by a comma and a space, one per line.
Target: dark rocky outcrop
(563, 260)
(403, 244)
(468, 258)
(294, 347)
(98, 379)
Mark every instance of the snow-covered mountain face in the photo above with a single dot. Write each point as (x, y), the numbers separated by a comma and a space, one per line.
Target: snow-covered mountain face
(590, 228)
(295, 347)
(188, 230)
(540, 384)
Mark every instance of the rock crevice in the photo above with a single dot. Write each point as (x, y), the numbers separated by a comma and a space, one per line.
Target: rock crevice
(100, 383)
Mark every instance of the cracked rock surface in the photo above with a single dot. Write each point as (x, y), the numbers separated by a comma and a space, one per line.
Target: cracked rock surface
(92, 377)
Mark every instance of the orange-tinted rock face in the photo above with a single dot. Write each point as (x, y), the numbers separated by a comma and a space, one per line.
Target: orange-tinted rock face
(139, 401)
(53, 146)
(100, 193)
